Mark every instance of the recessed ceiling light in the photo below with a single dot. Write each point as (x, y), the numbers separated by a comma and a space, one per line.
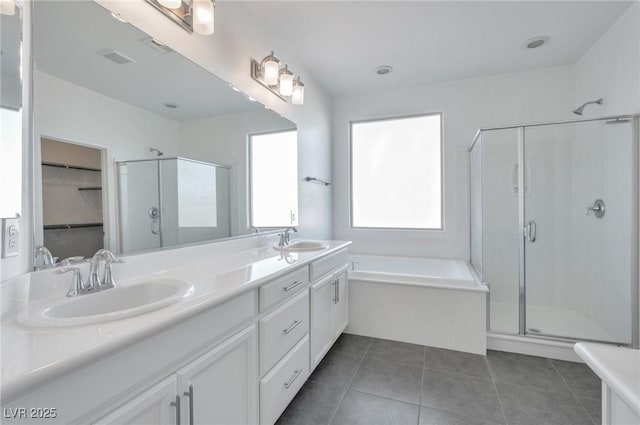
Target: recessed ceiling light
(171, 105)
(118, 17)
(251, 99)
(535, 42)
(383, 70)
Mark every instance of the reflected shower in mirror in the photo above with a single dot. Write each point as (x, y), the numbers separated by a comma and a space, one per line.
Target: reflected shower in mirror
(171, 140)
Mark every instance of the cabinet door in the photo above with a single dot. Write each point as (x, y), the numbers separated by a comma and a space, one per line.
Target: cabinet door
(341, 305)
(322, 307)
(224, 383)
(152, 407)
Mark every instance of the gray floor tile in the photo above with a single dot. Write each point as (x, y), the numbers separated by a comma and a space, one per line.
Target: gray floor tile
(352, 344)
(457, 362)
(313, 405)
(397, 352)
(460, 394)
(593, 407)
(528, 371)
(391, 380)
(337, 369)
(365, 409)
(429, 416)
(528, 406)
(582, 381)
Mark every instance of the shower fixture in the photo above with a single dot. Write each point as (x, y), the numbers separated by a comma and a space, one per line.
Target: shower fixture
(578, 111)
(157, 151)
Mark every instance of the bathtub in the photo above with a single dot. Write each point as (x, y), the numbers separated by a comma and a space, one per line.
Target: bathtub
(433, 302)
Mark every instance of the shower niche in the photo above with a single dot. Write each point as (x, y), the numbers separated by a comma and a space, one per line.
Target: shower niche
(554, 228)
(171, 201)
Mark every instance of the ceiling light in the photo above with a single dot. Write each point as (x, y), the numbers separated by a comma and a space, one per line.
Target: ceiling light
(270, 67)
(297, 97)
(171, 4)
(203, 16)
(116, 16)
(534, 43)
(278, 80)
(286, 82)
(383, 70)
(7, 7)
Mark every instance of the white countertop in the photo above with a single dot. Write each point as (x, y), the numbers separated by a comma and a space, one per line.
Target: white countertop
(33, 355)
(618, 367)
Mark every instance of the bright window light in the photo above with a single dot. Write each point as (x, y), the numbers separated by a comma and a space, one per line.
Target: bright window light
(10, 162)
(274, 179)
(396, 173)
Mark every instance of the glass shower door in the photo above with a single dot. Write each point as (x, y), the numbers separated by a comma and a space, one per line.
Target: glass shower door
(579, 230)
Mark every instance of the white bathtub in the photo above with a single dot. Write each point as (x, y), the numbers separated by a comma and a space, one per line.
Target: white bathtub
(424, 301)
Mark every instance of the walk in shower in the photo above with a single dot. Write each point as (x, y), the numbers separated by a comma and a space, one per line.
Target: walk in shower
(171, 201)
(554, 228)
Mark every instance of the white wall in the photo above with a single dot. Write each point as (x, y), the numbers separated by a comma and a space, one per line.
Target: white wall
(611, 69)
(66, 112)
(467, 105)
(223, 140)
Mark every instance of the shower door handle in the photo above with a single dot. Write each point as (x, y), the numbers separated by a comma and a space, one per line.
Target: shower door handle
(530, 231)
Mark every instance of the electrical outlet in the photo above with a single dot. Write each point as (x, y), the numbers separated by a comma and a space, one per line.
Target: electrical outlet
(10, 237)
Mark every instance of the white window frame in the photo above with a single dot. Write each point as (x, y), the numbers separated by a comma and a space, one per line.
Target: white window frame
(440, 229)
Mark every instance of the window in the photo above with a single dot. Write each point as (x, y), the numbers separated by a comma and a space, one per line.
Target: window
(273, 160)
(396, 173)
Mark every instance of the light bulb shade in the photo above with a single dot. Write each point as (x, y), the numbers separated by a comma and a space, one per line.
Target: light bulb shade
(270, 70)
(7, 7)
(297, 98)
(286, 82)
(203, 14)
(171, 4)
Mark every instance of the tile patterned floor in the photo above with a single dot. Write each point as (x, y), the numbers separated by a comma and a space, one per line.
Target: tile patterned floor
(368, 381)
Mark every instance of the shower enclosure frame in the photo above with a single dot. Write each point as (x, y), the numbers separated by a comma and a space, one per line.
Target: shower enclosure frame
(635, 248)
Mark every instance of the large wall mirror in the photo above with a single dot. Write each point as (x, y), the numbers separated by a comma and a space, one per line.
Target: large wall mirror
(142, 149)
(11, 112)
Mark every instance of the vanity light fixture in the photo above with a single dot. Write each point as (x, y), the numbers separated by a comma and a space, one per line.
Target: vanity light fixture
(7, 7)
(192, 15)
(278, 79)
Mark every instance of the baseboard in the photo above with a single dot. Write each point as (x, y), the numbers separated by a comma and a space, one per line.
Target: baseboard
(532, 346)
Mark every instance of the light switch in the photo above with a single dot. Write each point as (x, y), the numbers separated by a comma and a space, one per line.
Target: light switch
(10, 237)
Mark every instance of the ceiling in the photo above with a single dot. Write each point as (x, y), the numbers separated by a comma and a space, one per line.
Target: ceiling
(341, 42)
(69, 34)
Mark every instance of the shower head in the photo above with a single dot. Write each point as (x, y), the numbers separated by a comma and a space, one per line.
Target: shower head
(580, 109)
(157, 151)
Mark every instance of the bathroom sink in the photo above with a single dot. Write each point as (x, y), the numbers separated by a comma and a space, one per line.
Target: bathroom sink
(111, 304)
(298, 246)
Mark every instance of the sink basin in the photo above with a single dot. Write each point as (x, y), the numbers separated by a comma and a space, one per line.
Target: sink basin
(111, 304)
(298, 246)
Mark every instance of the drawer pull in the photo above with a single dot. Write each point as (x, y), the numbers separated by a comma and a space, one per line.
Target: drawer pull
(176, 404)
(293, 285)
(292, 327)
(296, 373)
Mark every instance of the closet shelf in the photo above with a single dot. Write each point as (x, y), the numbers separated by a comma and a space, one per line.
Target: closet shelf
(70, 226)
(72, 167)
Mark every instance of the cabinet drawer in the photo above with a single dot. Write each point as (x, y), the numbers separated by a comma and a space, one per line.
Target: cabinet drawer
(325, 265)
(279, 387)
(283, 287)
(282, 329)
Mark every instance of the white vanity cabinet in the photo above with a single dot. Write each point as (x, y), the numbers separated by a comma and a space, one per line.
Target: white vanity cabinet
(329, 304)
(218, 388)
(153, 406)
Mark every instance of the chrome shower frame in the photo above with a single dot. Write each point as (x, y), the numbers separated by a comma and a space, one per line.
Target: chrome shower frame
(635, 250)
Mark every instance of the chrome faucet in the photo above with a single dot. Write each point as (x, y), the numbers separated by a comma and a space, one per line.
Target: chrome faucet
(43, 258)
(95, 283)
(284, 236)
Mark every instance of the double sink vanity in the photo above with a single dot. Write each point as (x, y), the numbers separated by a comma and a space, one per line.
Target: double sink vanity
(223, 333)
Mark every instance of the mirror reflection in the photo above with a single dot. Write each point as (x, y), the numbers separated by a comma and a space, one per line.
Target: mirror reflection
(11, 113)
(141, 148)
